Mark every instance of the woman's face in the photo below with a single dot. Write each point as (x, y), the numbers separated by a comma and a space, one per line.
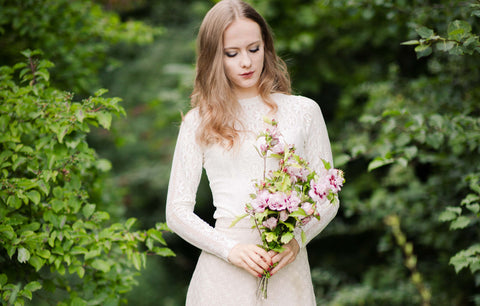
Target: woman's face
(243, 56)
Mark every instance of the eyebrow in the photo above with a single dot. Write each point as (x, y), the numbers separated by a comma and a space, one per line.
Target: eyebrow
(250, 44)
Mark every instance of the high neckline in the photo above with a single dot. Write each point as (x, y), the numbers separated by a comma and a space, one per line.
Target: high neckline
(252, 99)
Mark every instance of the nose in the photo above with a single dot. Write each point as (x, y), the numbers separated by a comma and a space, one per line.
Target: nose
(245, 61)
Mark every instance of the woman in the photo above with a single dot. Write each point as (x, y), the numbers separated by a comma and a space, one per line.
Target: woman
(239, 80)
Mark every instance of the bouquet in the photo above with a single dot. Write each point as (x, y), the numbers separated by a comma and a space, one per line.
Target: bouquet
(288, 197)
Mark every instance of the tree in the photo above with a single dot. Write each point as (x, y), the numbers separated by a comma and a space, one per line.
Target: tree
(55, 196)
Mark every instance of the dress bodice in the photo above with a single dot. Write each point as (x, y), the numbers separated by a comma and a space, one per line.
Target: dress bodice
(231, 172)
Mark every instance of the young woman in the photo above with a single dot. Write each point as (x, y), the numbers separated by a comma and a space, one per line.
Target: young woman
(239, 80)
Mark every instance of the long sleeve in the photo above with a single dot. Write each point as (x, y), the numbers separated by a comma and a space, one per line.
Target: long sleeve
(184, 180)
(317, 147)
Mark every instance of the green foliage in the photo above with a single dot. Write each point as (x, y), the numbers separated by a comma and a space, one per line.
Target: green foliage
(460, 40)
(76, 35)
(54, 234)
(404, 129)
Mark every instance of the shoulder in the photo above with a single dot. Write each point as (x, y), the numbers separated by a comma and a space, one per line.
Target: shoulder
(293, 103)
(192, 118)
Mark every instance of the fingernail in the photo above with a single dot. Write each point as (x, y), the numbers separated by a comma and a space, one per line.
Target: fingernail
(259, 275)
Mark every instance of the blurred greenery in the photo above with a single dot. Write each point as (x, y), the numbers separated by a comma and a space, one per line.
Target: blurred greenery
(397, 81)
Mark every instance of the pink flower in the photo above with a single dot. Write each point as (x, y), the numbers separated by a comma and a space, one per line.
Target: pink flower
(277, 201)
(261, 144)
(335, 179)
(293, 201)
(261, 201)
(308, 208)
(319, 191)
(283, 215)
(297, 172)
(278, 148)
(270, 223)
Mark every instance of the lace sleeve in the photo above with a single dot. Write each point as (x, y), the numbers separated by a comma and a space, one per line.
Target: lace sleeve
(317, 147)
(184, 179)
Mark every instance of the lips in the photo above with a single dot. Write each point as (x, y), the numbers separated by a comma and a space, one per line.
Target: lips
(247, 74)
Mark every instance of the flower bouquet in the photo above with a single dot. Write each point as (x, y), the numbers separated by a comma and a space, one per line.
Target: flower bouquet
(288, 197)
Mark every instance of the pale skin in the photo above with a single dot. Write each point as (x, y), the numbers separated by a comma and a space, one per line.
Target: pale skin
(243, 61)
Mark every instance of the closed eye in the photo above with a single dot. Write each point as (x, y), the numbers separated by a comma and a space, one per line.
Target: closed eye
(231, 54)
(255, 49)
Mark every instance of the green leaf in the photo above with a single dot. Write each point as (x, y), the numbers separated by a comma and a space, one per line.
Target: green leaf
(460, 222)
(163, 251)
(304, 237)
(57, 205)
(286, 237)
(101, 265)
(446, 216)
(23, 255)
(14, 202)
(44, 253)
(7, 231)
(445, 45)
(237, 219)
(130, 223)
(410, 42)
(33, 286)
(425, 32)
(36, 262)
(156, 235)
(88, 210)
(137, 261)
(379, 162)
(458, 30)
(423, 50)
(3, 280)
(34, 196)
(104, 118)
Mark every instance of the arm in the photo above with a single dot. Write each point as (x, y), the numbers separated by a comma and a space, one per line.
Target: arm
(317, 147)
(184, 179)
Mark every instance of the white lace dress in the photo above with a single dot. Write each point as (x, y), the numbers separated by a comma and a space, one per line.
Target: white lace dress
(230, 173)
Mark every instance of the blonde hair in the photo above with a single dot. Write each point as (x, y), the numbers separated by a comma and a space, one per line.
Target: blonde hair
(213, 92)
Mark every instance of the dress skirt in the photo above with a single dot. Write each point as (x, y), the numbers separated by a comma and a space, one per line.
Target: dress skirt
(217, 282)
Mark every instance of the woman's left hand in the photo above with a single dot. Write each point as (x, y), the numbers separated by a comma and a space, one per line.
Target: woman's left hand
(288, 255)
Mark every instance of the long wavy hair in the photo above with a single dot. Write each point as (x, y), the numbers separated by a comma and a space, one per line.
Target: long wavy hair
(213, 92)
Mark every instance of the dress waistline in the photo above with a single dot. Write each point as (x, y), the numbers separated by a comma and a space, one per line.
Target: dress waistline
(245, 223)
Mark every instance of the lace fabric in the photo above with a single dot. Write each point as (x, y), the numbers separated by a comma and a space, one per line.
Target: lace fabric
(230, 172)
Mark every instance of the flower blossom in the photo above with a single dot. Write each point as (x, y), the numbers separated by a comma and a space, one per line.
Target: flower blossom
(293, 201)
(261, 201)
(261, 144)
(335, 179)
(277, 201)
(297, 172)
(284, 215)
(308, 208)
(319, 190)
(270, 223)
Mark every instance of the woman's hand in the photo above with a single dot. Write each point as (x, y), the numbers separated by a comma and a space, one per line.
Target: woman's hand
(250, 257)
(288, 255)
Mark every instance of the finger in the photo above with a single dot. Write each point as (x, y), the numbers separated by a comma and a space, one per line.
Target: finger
(253, 266)
(266, 256)
(261, 261)
(283, 259)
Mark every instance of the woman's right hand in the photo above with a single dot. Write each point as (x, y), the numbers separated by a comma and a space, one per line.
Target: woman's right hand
(251, 258)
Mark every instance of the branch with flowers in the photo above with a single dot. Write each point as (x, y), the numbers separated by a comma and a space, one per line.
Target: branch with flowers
(288, 197)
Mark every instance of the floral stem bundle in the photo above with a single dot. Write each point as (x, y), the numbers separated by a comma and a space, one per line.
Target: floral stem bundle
(288, 197)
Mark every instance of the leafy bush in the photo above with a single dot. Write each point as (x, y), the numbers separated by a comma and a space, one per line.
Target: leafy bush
(55, 231)
(76, 35)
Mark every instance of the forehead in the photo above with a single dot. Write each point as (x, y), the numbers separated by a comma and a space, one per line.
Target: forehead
(241, 32)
